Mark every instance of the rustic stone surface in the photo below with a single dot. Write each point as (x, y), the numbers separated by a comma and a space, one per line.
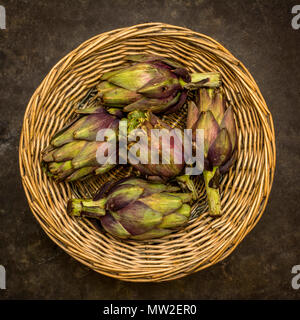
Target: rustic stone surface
(259, 33)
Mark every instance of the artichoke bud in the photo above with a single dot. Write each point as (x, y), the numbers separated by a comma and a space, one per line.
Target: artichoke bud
(151, 83)
(218, 125)
(171, 159)
(136, 209)
(220, 140)
(72, 155)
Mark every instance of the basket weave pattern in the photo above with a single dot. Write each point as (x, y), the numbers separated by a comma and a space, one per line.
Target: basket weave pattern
(204, 241)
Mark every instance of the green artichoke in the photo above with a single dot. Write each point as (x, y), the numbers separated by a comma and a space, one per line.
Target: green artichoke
(151, 83)
(71, 154)
(136, 209)
(220, 140)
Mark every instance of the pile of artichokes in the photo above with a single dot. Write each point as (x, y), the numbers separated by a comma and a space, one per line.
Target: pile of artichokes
(157, 199)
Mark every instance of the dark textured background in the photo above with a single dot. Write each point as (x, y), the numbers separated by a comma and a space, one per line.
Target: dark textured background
(259, 33)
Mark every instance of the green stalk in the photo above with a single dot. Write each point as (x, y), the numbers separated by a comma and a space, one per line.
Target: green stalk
(86, 208)
(213, 194)
(200, 80)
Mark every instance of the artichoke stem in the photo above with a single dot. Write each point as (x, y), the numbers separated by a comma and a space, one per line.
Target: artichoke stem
(199, 80)
(187, 183)
(86, 208)
(213, 195)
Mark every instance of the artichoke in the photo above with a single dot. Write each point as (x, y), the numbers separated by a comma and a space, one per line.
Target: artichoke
(220, 140)
(169, 163)
(72, 153)
(136, 209)
(151, 83)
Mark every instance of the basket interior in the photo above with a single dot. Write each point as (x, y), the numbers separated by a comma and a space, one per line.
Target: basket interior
(204, 241)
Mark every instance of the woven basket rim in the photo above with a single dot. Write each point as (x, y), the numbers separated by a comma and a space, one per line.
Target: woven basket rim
(178, 261)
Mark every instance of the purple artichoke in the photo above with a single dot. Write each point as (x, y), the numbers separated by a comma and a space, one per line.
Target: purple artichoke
(151, 83)
(171, 162)
(220, 140)
(72, 151)
(136, 209)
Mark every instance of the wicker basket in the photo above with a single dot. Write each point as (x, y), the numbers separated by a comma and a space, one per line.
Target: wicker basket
(204, 241)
